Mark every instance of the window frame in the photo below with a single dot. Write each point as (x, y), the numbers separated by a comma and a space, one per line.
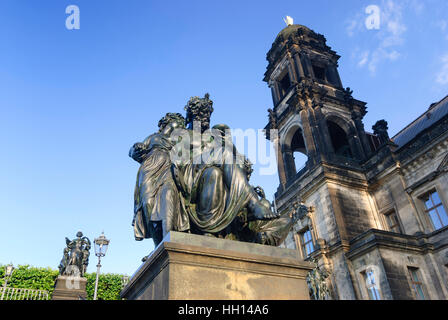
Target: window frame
(281, 90)
(367, 288)
(416, 271)
(301, 244)
(422, 199)
(322, 71)
(386, 214)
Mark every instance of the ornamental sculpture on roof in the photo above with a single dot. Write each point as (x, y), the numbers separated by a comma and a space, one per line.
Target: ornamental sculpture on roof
(193, 179)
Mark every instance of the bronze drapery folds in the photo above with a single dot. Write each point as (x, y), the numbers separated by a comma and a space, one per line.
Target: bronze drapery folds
(192, 179)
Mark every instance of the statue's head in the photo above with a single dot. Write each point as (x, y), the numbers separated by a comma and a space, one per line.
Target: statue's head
(199, 110)
(380, 127)
(172, 120)
(79, 234)
(222, 128)
(248, 168)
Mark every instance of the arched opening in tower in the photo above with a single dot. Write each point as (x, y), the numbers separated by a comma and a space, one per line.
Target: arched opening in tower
(298, 149)
(339, 140)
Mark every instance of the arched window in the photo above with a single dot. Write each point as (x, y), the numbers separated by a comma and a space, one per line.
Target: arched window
(295, 154)
(339, 140)
(299, 150)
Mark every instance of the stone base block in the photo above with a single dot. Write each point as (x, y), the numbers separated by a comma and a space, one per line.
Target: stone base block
(70, 288)
(191, 267)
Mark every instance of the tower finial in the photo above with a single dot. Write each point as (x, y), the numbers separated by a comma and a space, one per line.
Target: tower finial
(289, 21)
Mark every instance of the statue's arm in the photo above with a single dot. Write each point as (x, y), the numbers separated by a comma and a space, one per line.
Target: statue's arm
(136, 199)
(139, 149)
(88, 243)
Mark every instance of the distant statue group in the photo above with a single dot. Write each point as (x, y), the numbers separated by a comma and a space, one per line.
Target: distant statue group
(192, 179)
(76, 256)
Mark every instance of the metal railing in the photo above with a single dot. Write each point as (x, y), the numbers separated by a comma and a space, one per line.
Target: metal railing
(23, 294)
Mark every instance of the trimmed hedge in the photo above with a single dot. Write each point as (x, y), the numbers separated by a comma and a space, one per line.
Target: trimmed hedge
(28, 277)
(109, 286)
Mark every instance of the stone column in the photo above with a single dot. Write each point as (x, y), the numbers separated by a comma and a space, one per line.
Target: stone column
(355, 146)
(289, 163)
(277, 93)
(362, 135)
(280, 162)
(308, 136)
(295, 78)
(327, 147)
(307, 66)
(299, 66)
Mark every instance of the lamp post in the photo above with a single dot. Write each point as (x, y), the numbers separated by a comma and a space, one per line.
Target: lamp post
(101, 245)
(8, 272)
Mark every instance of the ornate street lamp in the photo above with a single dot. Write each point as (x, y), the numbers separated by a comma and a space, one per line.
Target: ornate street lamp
(8, 272)
(101, 245)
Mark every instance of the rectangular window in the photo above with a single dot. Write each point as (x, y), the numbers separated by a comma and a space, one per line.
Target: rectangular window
(417, 285)
(392, 222)
(371, 285)
(306, 240)
(284, 85)
(435, 210)
(319, 73)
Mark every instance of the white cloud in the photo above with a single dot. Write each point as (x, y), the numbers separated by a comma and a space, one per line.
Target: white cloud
(417, 5)
(442, 24)
(364, 58)
(388, 38)
(442, 76)
(378, 56)
(354, 25)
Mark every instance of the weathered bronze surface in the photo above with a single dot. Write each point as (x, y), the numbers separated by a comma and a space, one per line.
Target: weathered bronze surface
(192, 179)
(316, 280)
(76, 256)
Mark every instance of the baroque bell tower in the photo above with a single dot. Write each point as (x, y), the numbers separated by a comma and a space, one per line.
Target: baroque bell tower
(314, 114)
(318, 118)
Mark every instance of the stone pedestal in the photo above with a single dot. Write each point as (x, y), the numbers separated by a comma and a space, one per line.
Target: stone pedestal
(192, 267)
(70, 288)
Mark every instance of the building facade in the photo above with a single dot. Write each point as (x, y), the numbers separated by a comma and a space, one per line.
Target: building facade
(378, 221)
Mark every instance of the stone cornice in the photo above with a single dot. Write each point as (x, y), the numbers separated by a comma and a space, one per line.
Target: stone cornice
(321, 173)
(420, 142)
(374, 238)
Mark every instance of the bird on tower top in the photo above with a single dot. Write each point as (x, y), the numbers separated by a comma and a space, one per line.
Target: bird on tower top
(289, 21)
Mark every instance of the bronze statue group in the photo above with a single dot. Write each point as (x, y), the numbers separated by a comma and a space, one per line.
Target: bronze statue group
(76, 256)
(192, 179)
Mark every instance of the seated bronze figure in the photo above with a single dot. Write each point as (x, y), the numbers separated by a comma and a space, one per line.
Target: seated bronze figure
(192, 179)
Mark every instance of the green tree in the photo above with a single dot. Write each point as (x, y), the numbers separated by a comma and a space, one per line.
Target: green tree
(28, 277)
(109, 286)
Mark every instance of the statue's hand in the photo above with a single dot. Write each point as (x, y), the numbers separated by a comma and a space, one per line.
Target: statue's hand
(137, 151)
(294, 215)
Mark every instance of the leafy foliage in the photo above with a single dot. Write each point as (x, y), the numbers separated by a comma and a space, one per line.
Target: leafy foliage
(28, 277)
(109, 286)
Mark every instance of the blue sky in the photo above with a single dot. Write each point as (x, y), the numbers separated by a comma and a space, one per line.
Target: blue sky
(72, 102)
